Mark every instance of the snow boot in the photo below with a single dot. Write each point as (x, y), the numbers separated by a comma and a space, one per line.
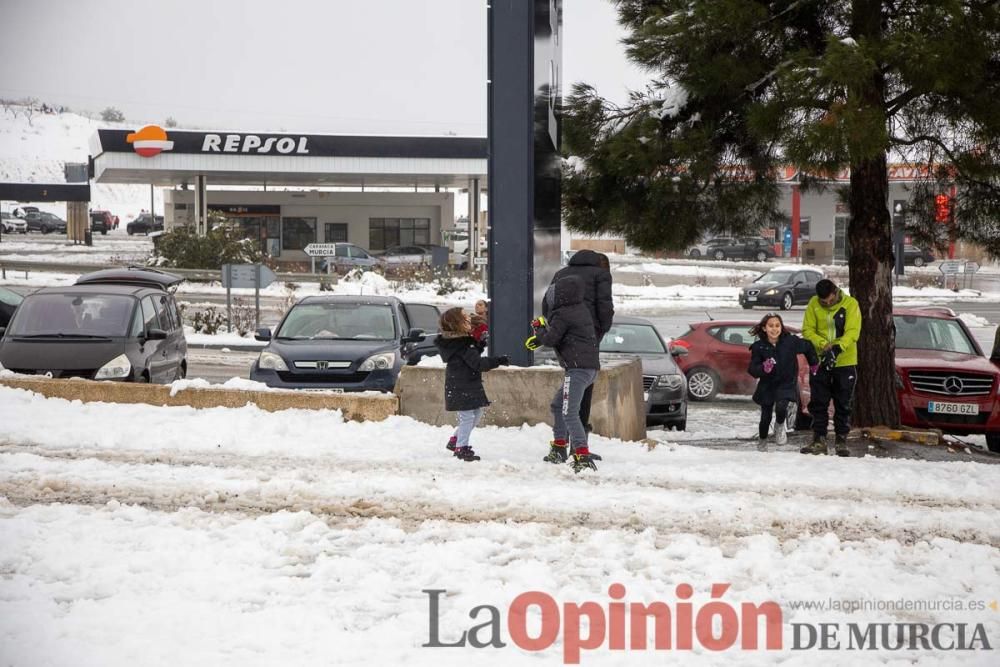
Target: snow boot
(818, 446)
(780, 436)
(451, 443)
(557, 452)
(466, 454)
(582, 460)
(841, 445)
(593, 455)
(761, 444)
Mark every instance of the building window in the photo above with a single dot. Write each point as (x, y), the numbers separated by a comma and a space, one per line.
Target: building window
(387, 232)
(297, 233)
(335, 232)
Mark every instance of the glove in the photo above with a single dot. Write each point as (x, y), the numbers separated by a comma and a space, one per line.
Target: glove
(813, 369)
(829, 360)
(532, 343)
(539, 322)
(769, 364)
(503, 360)
(836, 350)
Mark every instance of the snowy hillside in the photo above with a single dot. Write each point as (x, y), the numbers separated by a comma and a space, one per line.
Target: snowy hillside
(36, 153)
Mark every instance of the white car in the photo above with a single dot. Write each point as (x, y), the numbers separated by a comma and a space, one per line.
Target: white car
(12, 225)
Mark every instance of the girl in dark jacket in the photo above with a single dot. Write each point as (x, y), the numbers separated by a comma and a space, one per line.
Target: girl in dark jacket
(774, 362)
(463, 380)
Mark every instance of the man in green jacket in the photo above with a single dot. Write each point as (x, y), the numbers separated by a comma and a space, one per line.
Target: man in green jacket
(832, 323)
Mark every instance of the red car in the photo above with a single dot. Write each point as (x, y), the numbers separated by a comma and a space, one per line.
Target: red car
(718, 357)
(942, 378)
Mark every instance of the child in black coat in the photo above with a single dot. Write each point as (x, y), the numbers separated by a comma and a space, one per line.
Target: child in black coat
(774, 362)
(463, 380)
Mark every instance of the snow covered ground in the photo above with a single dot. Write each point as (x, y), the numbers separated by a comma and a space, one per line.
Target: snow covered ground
(147, 535)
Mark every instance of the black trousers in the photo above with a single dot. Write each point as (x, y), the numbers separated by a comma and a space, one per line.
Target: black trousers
(588, 395)
(836, 385)
(780, 410)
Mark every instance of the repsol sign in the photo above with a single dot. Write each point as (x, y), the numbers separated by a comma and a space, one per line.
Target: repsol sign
(254, 143)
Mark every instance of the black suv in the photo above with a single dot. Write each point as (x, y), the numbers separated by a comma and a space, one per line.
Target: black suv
(345, 343)
(116, 324)
(145, 224)
(782, 287)
(754, 248)
(46, 223)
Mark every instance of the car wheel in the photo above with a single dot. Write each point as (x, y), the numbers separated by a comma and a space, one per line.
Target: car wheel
(130, 232)
(787, 301)
(761, 256)
(703, 384)
(747, 306)
(695, 253)
(918, 261)
(679, 426)
(45, 230)
(719, 255)
(104, 232)
(993, 442)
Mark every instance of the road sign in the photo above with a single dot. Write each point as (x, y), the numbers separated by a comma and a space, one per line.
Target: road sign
(950, 266)
(971, 267)
(320, 249)
(480, 261)
(245, 275)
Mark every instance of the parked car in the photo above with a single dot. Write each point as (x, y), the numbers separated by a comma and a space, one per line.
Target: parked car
(9, 301)
(348, 257)
(783, 287)
(116, 324)
(423, 254)
(43, 222)
(101, 221)
(942, 378)
(12, 224)
(748, 248)
(345, 343)
(718, 357)
(917, 256)
(144, 224)
(705, 248)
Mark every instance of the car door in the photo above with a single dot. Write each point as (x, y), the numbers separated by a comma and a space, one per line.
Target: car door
(169, 318)
(732, 357)
(427, 317)
(360, 257)
(801, 290)
(154, 351)
(807, 289)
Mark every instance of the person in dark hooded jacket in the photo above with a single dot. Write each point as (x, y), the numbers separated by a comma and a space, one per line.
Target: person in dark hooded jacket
(569, 330)
(463, 380)
(594, 269)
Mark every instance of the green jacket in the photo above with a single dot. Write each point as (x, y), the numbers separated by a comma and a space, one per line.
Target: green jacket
(839, 324)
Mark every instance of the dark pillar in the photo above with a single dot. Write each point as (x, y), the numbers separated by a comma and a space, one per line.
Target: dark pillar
(524, 65)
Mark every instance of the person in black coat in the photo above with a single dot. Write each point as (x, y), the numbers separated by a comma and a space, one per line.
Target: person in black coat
(463, 380)
(774, 362)
(594, 269)
(569, 330)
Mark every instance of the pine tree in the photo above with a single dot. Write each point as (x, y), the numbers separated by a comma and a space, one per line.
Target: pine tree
(742, 87)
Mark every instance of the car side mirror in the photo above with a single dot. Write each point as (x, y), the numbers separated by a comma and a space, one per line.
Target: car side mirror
(264, 333)
(678, 351)
(156, 334)
(414, 336)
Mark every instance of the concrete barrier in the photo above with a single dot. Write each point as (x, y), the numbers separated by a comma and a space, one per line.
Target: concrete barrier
(522, 395)
(356, 407)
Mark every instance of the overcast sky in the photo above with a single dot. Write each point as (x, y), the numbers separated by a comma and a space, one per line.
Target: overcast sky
(360, 66)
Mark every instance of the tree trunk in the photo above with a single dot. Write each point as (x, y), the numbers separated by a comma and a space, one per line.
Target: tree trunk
(871, 267)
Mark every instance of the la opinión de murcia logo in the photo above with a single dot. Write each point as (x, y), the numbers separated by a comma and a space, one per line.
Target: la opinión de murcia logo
(716, 625)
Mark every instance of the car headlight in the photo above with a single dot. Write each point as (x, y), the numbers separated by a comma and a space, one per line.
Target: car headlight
(670, 381)
(379, 361)
(119, 367)
(271, 361)
(771, 292)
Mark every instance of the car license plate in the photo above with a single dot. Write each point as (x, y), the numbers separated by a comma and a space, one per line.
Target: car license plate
(645, 395)
(938, 408)
(751, 298)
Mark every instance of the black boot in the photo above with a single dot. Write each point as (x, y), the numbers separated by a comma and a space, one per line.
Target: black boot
(817, 446)
(841, 445)
(557, 452)
(466, 454)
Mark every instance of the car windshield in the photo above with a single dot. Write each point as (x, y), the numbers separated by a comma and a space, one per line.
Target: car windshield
(351, 321)
(73, 315)
(632, 338)
(914, 332)
(775, 278)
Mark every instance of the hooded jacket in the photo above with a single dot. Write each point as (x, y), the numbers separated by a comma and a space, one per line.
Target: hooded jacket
(586, 265)
(782, 383)
(570, 331)
(839, 324)
(463, 379)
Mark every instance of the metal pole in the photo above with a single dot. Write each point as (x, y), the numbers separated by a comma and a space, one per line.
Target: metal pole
(256, 294)
(229, 306)
(152, 210)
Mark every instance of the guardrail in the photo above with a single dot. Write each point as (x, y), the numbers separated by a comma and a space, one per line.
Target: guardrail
(194, 275)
